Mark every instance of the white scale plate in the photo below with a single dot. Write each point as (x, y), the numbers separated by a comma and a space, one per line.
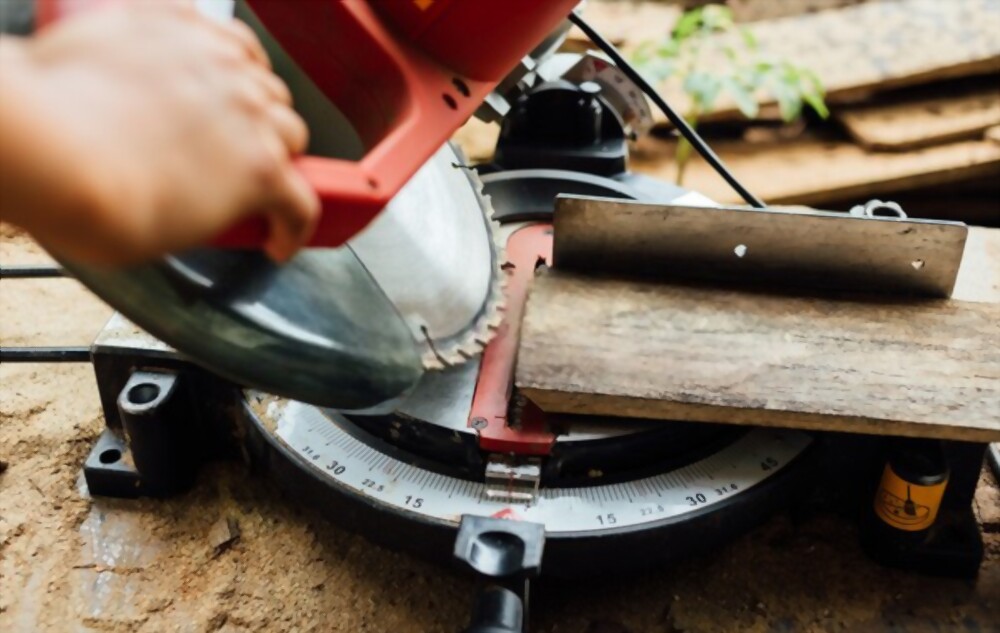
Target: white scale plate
(360, 469)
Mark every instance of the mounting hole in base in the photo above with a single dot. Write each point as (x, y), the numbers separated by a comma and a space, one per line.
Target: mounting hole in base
(143, 393)
(110, 456)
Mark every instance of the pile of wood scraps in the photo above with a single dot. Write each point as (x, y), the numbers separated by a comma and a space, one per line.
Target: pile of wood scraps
(914, 91)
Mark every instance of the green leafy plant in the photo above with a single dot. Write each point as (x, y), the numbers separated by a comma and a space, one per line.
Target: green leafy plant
(708, 54)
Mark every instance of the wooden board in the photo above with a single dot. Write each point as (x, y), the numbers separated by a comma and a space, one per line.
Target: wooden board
(912, 123)
(755, 10)
(993, 134)
(813, 170)
(639, 349)
(625, 24)
(855, 50)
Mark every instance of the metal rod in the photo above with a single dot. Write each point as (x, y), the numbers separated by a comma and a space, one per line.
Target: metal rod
(31, 272)
(44, 354)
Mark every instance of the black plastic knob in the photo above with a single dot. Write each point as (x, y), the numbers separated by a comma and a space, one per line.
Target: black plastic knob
(497, 610)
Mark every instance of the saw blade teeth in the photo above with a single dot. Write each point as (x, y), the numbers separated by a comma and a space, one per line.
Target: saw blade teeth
(432, 362)
(471, 344)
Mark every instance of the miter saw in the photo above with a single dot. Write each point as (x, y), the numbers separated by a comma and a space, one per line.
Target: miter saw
(373, 378)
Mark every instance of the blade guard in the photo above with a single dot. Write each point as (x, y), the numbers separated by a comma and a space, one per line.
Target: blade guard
(405, 73)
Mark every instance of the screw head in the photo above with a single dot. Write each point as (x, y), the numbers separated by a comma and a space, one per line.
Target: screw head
(479, 423)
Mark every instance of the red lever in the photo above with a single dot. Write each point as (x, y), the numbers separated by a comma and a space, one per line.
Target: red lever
(405, 90)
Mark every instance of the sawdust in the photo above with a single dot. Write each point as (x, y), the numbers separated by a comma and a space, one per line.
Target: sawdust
(70, 563)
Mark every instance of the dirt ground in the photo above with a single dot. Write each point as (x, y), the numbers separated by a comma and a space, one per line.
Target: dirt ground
(72, 563)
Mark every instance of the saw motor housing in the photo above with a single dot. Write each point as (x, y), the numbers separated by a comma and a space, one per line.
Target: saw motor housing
(406, 74)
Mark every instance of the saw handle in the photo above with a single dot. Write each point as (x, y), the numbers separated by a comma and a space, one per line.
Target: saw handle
(406, 75)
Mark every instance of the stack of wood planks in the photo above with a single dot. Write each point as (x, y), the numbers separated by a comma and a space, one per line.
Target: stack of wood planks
(914, 91)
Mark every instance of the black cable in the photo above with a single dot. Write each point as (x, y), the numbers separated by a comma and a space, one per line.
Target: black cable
(44, 354)
(31, 272)
(686, 130)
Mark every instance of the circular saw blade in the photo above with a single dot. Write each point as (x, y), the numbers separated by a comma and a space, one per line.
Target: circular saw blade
(321, 328)
(434, 252)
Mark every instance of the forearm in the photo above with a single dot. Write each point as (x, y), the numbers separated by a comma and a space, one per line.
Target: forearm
(43, 186)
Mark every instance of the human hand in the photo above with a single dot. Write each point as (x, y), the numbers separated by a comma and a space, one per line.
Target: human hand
(146, 129)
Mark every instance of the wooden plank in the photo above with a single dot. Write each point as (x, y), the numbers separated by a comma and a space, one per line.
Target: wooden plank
(979, 276)
(756, 10)
(993, 134)
(913, 123)
(625, 24)
(856, 50)
(639, 349)
(813, 171)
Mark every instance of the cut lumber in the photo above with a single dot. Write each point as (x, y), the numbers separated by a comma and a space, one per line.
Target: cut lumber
(756, 10)
(814, 171)
(926, 368)
(889, 43)
(626, 24)
(913, 123)
(993, 134)
(855, 50)
(979, 275)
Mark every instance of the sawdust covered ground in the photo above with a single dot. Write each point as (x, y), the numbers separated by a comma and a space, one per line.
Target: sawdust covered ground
(70, 563)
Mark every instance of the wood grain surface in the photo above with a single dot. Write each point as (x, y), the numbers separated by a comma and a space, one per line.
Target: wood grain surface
(912, 123)
(866, 48)
(755, 10)
(914, 368)
(993, 134)
(813, 170)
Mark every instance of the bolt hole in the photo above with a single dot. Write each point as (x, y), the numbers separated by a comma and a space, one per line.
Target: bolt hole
(885, 212)
(143, 393)
(373, 183)
(740, 250)
(917, 264)
(461, 87)
(110, 456)
(450, 100)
